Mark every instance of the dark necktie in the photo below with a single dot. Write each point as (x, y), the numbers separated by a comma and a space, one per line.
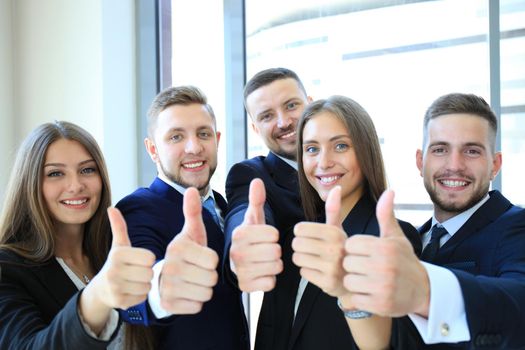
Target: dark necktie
(209, 204)
(432, 248)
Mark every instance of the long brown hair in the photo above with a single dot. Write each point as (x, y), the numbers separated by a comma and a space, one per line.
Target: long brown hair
(361, 130)
(26, 227)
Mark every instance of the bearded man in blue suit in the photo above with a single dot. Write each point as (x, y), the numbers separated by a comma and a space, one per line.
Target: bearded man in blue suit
(190, 306)
(469, 291)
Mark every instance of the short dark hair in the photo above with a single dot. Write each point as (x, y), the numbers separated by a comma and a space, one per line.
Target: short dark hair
(268, 76)
(455, 103)
(178, 95)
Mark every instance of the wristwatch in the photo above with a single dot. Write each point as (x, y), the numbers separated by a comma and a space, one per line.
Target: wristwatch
(354, 314)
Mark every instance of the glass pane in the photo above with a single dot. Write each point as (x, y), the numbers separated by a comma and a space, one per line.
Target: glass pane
(198, 59)
(512, 24)
(394, 58)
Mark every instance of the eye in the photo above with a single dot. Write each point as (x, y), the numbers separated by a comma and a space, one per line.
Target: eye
(473, 152)
(311, 149)
(341, 147)
(438, 150)
(176, 138)
(291, 105)
(265, 117)
(88, 170)
(54, 173)
(205, 134)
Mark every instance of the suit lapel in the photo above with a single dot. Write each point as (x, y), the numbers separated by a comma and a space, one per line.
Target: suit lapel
(55, 280)
(283, 174)
(495, 206)
(358, 221)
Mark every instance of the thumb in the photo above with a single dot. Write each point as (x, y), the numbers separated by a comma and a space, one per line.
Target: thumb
(118, 228)
(255, 213)
(388, 225)
(192, 209)
(333, 207)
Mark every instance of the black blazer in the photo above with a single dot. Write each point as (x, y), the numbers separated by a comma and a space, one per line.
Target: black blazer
(487, 255)
(154, 216)
(319, 323)
(38, 307)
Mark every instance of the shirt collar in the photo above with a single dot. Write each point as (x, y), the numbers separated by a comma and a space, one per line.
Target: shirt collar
(182, 189)
(290, 162)
(453, 224)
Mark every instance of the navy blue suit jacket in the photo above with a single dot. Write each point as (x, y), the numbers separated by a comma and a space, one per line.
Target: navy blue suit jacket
(487, 255)
(154, 217)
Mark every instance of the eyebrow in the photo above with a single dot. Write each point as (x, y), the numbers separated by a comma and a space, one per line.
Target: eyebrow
(467, 144)
(333, 138)
(63, 165)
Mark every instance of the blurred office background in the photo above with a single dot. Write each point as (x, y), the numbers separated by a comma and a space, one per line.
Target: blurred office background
(100, 63)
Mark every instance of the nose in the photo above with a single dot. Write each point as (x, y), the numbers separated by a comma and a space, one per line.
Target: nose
(324, 159)
(76, 184)
(193, 145)
(283, 120)
(456, 160)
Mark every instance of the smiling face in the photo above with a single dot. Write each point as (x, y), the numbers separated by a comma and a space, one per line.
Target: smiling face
(457, 163)
(275, 109)
(329, 159)
(184, 145)
(71, 184)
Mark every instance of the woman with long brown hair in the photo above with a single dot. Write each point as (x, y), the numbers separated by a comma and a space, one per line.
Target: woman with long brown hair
(341, 176)
(62, 269)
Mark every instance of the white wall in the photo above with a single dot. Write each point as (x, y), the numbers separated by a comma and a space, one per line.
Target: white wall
(75, 61)
(6, 94)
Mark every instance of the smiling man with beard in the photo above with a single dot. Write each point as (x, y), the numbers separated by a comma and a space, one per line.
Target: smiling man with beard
(189, 306)
(469, 291)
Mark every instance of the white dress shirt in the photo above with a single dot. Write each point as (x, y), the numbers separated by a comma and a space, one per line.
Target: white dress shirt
(447, 319)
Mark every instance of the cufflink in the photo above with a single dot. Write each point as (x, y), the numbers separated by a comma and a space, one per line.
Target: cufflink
(444, 329)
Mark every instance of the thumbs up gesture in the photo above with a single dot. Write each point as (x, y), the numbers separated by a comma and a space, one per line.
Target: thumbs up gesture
(189, 271)
(255, 254)
(125, 278)
(123, 281)
(319, 248)
(384, 276)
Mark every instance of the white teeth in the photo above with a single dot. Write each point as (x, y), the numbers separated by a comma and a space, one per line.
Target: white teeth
(453, 183)
(193, 165)
(328, 179)
(285, 136)
(75, 202)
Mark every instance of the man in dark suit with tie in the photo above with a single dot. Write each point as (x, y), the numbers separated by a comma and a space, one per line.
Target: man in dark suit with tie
(470, 291)
(275, 99)
(190, 305)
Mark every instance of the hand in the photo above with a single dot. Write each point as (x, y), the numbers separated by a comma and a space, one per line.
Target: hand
(255, 254)
(319, 248)
(125, 278)
(189, 272)
(123, 281)
(384, 276)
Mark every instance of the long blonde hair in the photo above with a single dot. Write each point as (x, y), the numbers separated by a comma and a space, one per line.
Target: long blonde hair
(26, 227)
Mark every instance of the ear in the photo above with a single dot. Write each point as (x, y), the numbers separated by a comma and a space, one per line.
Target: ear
(254, 127)
(151, 149)
(496, 164)
(309, 99)
(419, 161)
(218, 136)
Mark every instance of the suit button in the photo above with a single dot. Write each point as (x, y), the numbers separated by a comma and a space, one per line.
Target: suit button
(444, 329)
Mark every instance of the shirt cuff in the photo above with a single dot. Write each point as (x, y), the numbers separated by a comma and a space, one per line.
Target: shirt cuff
(109, 328)
(447, 319)
(154, 293)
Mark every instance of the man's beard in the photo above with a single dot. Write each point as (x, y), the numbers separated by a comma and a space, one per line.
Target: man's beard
(455, 208)
(179, 181)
